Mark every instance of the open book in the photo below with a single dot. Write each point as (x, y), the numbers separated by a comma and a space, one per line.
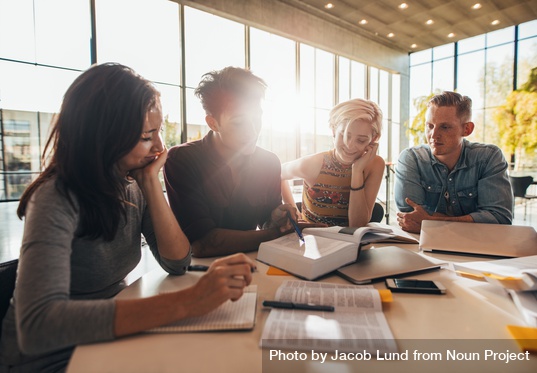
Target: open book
(238, 315)
(357, 324)
(370, 233)
(324, 249)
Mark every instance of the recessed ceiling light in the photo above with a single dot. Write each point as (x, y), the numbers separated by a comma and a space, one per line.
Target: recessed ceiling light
(451, 35)
(429, 22)
(413, 46)
(403, 6)
(390, 35)
(476, 6)
(329, 6)
(363, 22)
(495, 22)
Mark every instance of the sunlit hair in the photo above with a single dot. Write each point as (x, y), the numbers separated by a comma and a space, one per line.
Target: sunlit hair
(463, 104)
(217, 87)
(357, 110)
(101, 120)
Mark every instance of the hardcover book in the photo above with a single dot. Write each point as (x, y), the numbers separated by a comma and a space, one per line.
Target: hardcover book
(325, 249)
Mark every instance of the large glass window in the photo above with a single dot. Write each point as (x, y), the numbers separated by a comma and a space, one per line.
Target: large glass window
(527, 30)
(443, 51)
(20, 151)
(17, 15)
(421, 57)
(149, 41)
(38, 61)
(307, 100)
(470, 82)
(358, 80)
(29, 96)
(505, 35)
(211, 43)
(484, 69)
(420, 76)
(41, 36)
(443, 76)
(472, 44)
(324, 97)
(273, 58)
(499, 74)
(324, 79)
(62, 40)
(34, 88)
(384, 104)
(396, 117)
(195, 117)
(527, 59)
(470, 74)
(344, 79)
(373, 84)
(38, 65)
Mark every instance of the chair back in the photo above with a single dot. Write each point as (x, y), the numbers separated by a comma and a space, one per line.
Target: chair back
(8, 274)
(378, 213)
(520, 184)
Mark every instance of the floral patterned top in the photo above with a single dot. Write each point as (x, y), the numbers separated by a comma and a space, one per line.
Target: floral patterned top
(327, 201)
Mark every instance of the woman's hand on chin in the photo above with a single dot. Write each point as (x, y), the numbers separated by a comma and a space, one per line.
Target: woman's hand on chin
(367, 157)
(150, 170)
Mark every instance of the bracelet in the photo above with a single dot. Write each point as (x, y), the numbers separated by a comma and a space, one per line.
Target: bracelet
(359, 188)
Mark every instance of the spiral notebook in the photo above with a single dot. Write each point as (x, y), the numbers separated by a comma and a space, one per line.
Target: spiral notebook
(238, 315)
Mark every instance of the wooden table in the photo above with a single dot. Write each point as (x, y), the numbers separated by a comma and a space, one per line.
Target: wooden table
(471, 318)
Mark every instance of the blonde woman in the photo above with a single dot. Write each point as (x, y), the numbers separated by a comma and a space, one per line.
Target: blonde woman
(341, 185)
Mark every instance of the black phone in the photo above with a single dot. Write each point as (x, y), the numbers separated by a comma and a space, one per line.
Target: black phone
(415, 286)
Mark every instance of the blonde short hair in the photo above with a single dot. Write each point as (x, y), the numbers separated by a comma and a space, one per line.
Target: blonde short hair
(357, 109)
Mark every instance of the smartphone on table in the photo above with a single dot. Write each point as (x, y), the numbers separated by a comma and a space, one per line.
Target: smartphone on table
(408, 285)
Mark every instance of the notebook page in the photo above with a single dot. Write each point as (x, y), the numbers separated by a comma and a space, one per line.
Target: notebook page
(230, 315)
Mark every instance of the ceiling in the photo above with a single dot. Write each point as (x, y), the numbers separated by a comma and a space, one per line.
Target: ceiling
(408, 28)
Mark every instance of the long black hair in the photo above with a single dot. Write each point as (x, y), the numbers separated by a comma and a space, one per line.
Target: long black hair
(100, 121)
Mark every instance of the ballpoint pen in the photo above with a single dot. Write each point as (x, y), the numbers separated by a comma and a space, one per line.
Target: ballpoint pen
(295, 226)
(204, 268)
(297, 306)
(197, 268)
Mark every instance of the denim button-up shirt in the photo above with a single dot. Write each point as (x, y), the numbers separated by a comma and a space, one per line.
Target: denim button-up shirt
(477, 186)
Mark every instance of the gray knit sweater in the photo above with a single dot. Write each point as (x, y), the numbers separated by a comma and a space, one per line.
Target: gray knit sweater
(63, 295)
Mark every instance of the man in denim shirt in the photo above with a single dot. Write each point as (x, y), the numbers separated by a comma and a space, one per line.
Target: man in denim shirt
(451, 178)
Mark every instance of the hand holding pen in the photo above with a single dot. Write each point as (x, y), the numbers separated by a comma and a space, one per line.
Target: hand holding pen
(284, 217)
(225, 278)
(295, 226)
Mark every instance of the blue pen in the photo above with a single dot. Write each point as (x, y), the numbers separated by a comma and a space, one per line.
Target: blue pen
(295, 225)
